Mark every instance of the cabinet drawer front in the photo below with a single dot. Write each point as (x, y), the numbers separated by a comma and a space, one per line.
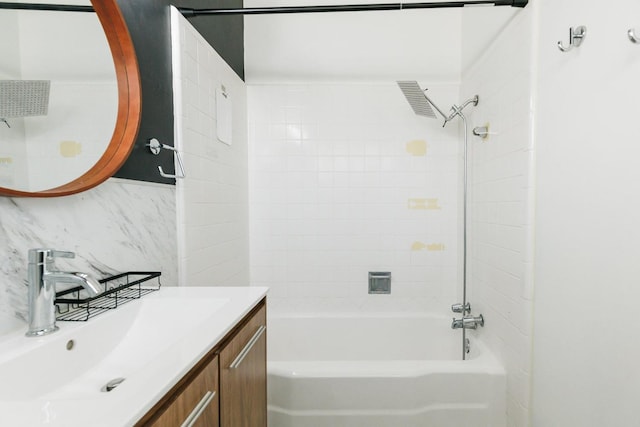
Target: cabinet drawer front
(197, 405)
(243, 384)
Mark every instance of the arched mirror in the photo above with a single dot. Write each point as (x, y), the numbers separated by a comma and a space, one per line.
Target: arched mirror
(69, 99)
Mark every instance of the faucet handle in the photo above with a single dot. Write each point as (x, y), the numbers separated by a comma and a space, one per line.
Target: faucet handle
(459, 308)
(41, 255)
(61, 254)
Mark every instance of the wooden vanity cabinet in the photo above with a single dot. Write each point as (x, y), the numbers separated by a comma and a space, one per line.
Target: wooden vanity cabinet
(196, 403)
(243, 376)
(227, 388)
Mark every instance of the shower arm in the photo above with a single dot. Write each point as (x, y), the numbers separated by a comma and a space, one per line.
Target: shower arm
(444, 116)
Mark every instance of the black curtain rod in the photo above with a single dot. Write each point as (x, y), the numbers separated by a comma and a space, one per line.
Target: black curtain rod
(188, 12)
(47, 7)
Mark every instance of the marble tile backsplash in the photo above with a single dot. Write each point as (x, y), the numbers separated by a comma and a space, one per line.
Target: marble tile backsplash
(118, 226)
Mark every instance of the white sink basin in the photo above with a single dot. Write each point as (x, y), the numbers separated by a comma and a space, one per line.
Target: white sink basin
(151, 343)
(112, 345)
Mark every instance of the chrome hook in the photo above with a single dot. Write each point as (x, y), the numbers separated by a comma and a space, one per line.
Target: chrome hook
(632, 36)
(481, 131)
(575, 38)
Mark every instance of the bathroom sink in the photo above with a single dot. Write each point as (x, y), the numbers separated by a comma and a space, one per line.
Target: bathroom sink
(84, 357)
(150, 342)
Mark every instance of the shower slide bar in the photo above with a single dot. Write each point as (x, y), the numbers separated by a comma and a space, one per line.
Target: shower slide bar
(189, 12)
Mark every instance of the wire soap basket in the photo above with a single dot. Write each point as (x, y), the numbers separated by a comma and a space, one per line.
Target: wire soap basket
(73, 305)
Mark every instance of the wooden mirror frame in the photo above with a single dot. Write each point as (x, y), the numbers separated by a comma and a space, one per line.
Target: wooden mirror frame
(129, 107)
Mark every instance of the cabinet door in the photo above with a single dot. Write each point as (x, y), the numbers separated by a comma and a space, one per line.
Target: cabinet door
(243, 376)
(197, 404)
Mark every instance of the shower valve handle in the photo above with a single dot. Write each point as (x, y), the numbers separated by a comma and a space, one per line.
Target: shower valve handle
(459, 308)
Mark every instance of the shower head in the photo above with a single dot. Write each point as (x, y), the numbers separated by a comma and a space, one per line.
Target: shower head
(24, 98)
(416, 98)
(421, 103)
(419, 100)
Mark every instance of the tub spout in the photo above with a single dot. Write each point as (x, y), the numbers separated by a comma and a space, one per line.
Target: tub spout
(470, 322)
(456, 323)
(42, 289)
(467, 322)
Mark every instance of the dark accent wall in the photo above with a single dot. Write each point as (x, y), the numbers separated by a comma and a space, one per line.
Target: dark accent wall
(224, 33)
(150, 27)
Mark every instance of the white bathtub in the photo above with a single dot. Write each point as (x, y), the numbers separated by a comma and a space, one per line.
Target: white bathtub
(379, 370)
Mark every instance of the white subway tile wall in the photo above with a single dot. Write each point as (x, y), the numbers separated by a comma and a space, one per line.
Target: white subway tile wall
(501, 207)
(212, 201)
(345, 179)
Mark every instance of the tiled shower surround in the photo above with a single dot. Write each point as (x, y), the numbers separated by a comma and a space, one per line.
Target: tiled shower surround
(212, 206)
(345, 179)
(501, 219)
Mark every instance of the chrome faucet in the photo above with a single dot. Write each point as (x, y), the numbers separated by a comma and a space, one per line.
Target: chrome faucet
(42, 288)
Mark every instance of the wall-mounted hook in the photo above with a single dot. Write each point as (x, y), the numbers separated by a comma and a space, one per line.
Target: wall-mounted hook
(576, 36)
(155, 147)
(481, 131)
(632, 36)
(5, 122)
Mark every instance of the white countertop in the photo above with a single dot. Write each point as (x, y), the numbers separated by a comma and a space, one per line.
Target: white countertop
(43, 383)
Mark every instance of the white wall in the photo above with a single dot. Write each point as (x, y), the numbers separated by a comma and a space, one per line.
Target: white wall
(74, 134)
(10, 45)
(392, 45)
(585, 359)
(65, 46)
(14, 167)
(501, 203)
(71, 50)
(213, 209)
(481, 26)
(425, 44)
(336, 192)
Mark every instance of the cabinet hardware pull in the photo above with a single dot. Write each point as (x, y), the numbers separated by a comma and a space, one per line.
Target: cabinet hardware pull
(199, 409)
(247, 348)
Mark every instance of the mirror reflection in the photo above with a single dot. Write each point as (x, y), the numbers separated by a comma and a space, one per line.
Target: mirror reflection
(58, 97)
